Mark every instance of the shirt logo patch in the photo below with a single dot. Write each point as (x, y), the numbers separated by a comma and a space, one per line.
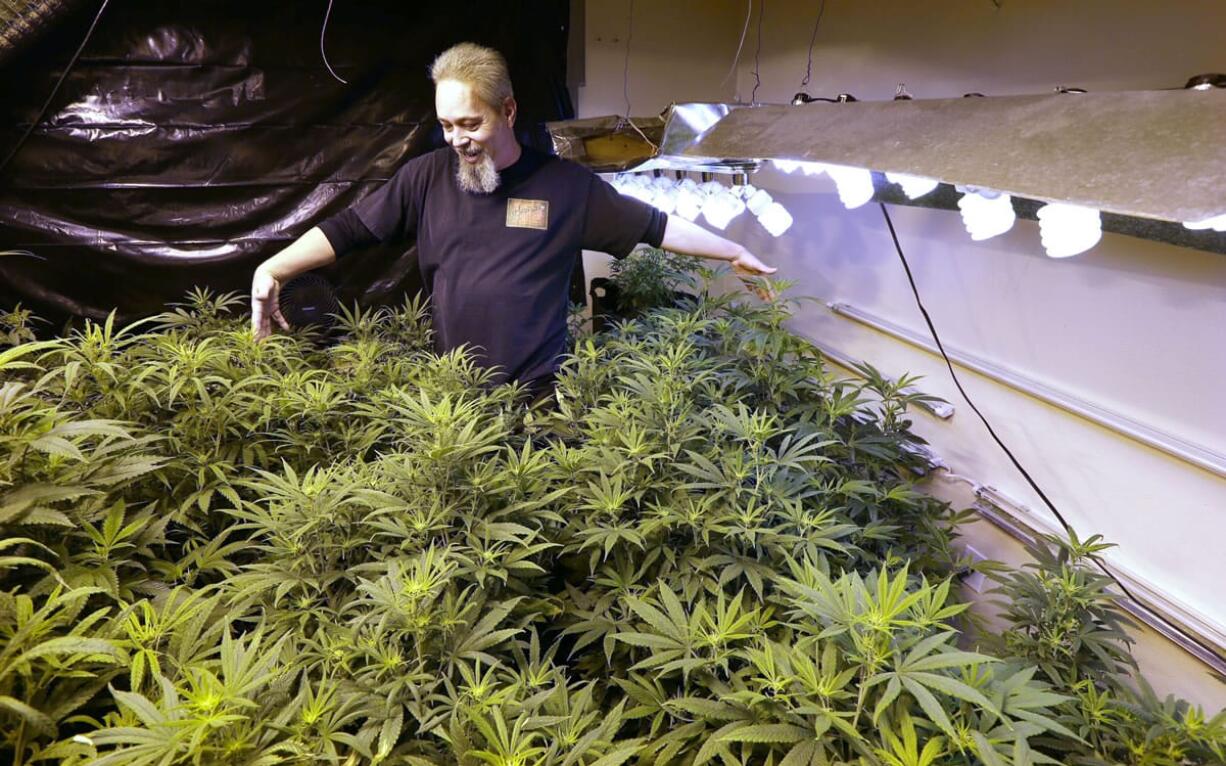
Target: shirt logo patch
(528, 214)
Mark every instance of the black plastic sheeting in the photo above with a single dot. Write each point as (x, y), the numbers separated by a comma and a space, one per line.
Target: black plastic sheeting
(192, 140)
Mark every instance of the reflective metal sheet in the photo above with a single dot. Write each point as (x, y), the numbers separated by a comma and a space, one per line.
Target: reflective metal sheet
(1150, 154)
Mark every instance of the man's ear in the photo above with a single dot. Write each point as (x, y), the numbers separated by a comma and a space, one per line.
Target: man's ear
(509, 110)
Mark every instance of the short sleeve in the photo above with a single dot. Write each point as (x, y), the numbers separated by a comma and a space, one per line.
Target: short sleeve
(614, 223)
(346, 232)
(391, 211)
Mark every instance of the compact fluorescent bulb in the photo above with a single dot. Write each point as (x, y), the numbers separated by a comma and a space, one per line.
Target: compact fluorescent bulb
(1069, 229)
(775, 219)
(1217, 223)
(855, 185)
(721, 208)
(986, 213)
(689, 201)
(758, 201)
(912, 186)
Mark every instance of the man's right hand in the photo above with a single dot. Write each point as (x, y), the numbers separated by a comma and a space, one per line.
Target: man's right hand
(265, 293)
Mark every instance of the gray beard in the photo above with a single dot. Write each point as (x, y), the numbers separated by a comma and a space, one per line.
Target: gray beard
(480, 178)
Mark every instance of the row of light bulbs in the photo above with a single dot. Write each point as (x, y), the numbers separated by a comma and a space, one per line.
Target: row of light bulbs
(716, 203)
(1064, 229)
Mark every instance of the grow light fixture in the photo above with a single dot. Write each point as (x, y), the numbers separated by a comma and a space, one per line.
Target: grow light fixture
(1150, 161)
(986, 213)
(1067, 230)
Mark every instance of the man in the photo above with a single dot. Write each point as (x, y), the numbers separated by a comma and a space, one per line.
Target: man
(498, 227)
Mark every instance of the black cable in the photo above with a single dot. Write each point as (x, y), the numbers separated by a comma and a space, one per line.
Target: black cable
(812, 38)
(753, 97)
(42, 112)
(1068, 528)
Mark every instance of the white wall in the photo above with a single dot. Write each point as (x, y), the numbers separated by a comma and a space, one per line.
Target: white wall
(1133, 326)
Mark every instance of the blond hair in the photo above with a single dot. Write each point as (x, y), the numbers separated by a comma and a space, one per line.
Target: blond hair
(482, 69)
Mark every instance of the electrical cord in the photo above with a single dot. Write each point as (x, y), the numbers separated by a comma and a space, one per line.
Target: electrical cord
(741, 45)
(753, 97)
(626, 81)
(323, 31)
(809, 65)
(46, 104)
(1068, 528)
(626, 64)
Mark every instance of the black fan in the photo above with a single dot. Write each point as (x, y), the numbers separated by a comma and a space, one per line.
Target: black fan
(309, 299)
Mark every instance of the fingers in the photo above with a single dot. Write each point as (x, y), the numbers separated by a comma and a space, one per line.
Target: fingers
(750, 265)
(760, 288)
(258, 328)
(264, 308)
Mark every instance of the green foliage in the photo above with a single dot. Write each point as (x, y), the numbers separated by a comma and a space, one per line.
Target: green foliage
(653, 278)
(214, 551)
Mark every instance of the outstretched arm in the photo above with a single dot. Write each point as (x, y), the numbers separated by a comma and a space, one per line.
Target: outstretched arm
(310, 251)
(681, 236)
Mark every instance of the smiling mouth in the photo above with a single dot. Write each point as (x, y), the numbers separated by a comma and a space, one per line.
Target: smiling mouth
(470, 155)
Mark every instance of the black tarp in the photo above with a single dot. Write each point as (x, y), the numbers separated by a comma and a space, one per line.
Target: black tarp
(194, 139)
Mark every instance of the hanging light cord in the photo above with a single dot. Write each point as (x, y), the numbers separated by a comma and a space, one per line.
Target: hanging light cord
(753, 97)
(626, 80)
(1068, 528)
(626, 63)
(741, 45)
(47, 104)
(809, 66)
(322, 32)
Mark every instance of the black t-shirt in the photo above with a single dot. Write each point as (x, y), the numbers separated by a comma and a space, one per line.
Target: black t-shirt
(498, 266)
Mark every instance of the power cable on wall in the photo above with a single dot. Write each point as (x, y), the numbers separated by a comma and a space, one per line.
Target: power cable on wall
(1068, 528)
(47, 104)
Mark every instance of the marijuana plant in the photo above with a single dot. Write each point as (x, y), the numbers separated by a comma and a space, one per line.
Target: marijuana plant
(349, 549)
